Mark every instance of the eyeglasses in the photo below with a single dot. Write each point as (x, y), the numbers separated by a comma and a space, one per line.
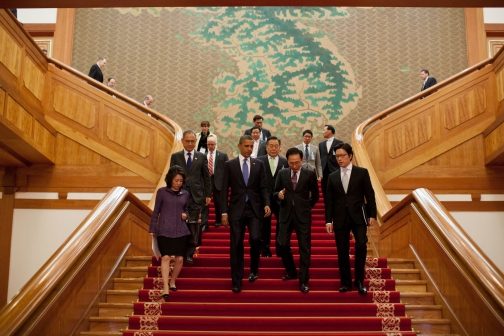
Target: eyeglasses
(341, 156)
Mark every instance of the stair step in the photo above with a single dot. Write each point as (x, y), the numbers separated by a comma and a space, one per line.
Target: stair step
(415, 298)
(406, 274)
(411, 285)
(109, 323)
(431, 326)
(122, 296)
(101, 333)
(400, 263)
(114, 309)
(424, 311)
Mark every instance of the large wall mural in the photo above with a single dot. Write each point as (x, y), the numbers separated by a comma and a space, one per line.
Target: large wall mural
(299, 67)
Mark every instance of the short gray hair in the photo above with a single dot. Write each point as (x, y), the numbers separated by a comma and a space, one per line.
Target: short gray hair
(187, 132)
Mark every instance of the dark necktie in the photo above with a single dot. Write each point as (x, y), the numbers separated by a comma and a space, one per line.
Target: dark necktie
(294, 180)
(307, 153)
(189, 161)
(245, 173)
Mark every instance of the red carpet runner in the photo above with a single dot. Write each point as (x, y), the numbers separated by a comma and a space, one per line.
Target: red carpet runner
(205, 305)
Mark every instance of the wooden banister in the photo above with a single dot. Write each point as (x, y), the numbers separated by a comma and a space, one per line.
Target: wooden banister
(41, 296)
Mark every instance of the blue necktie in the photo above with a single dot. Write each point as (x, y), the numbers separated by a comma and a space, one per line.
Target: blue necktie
(306, 153)
(245, 173)
(189, 161)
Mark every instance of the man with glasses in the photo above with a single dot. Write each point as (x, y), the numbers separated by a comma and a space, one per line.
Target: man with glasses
(273, 162)
(198, 182)
(311, 154)
(350, 206)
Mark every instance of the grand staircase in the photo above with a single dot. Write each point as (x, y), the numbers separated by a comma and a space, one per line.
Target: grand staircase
(398, 302)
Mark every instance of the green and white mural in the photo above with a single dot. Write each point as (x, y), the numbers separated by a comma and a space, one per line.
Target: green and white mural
(298, 67)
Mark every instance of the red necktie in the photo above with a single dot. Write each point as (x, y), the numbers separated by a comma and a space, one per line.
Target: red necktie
(210, 164)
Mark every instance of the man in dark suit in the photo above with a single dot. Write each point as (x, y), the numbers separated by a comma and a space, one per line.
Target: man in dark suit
(248, 205)
(350, 206)
(95, 72)
(297, 189)
(258, 122)
(197, 183)
(427, 81)
(216, 160)
(272, 163)
(326, 149)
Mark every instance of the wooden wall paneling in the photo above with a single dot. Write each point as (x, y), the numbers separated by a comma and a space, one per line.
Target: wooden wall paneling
(19, 117)
(10, 52)
(129, 135)
(494, 147)
(33, 78)
(69, 152)
(7, 211)
(63, 34)
(475, 36)
(75, 106)
(162, 149)
(499, 79)
(410, 134)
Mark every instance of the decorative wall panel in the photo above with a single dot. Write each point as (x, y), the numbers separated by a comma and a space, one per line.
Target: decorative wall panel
(33, 78)
(75, 107)
(43, 137)
(129, 135)
(463, 107)
(19, 117)
(10, 53)
(500, 85)
(2, 101)
(300, 68)
(410, 135)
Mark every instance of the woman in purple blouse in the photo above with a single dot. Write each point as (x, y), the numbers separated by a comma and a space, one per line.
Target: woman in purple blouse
(168, 224)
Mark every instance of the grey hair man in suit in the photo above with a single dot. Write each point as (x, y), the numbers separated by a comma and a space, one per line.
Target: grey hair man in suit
(216, 160)
(248, 205)
(198, 182)
(350, 206)
(297, 190)
(96, 69)
(311, 154)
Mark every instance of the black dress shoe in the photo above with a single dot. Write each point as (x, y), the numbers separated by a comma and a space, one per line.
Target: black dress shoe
(266, 255)
(253, 277)
(189, 260)
(218, 224)
(204, 227)
(360, 287)
(236, 289)
(344, 289)
(166, 296)
(304, 287)
(289, 276)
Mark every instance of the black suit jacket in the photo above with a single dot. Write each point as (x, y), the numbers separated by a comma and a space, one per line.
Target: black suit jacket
(200, 186)
(303, 204)
(96, 73)
(337, 202)
(431, 81)
(220, 159)
(256, 189)
(328, 159)
(282, 163)
(265, 134)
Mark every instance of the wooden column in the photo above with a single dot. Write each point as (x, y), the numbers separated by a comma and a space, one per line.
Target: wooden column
(475, 36)
(6, 216)
(63, 35)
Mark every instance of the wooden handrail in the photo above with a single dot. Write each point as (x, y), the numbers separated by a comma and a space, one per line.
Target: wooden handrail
(483, 269)
(38, 288)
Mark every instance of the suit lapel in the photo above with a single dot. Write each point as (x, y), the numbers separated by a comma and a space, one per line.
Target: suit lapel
(339, 182)
(238, 167)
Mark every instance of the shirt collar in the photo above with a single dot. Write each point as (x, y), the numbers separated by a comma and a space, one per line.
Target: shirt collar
(348, 168)
(185, 152)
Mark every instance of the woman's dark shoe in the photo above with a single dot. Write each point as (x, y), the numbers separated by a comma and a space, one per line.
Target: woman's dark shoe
(173, 288)
(166, 296)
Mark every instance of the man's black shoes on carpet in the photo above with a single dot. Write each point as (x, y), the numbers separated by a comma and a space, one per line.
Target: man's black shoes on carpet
(236, 289)
(253, 277)
(304, 287)
(360, 287)
(344, 289)
(289, 276)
